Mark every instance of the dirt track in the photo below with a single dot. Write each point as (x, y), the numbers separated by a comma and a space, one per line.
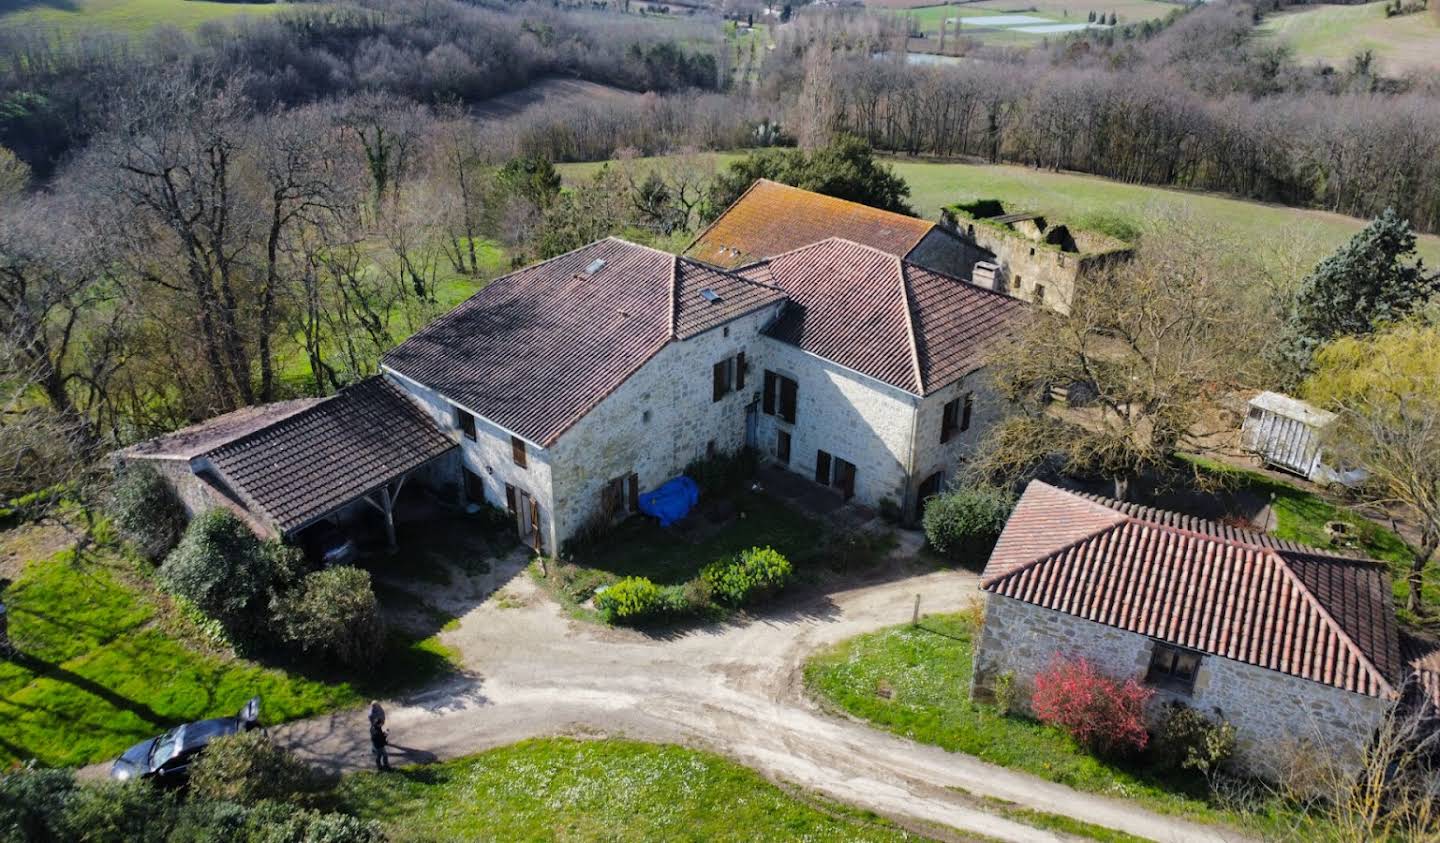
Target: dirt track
(735, 689)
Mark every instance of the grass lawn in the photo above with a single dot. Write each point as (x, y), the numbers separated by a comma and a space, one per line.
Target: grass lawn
(1092, 201)
(106, 662)
(927, 671)
(130, 16)
(562, 789)
(1335, 34)
(669, 556)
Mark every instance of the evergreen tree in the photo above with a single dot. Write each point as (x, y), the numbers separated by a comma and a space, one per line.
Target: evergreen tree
(846, 169)
(1374, 279)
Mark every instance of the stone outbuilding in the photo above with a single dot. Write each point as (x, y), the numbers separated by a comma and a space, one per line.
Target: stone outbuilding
(1298, 648)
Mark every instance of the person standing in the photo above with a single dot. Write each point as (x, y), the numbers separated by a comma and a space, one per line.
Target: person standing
(378, 742)
(377, 714)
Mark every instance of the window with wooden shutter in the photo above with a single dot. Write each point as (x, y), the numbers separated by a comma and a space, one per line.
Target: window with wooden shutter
(950, 420)
(767, 400)
(720, 374)
(789, 396)
(634, 481)
(966, 411)
(466, 423)
(739, 371)
(517, 451)
(822, 467)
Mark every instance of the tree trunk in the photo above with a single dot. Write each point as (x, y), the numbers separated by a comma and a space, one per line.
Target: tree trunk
(1415, 579)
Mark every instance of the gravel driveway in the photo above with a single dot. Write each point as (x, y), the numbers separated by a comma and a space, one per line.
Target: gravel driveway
(734, 688)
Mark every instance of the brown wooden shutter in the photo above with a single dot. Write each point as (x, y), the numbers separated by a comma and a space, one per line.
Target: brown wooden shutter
(789, 394)
(969, 407)
(718, 373)
(517, 450)
(739, 371)
(822, 467)
(634, 493)
(767, 401)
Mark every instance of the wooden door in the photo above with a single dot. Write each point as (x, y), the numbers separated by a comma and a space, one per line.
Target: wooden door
(822, 467)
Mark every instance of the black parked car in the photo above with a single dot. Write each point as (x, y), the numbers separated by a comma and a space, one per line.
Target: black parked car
(167, 758)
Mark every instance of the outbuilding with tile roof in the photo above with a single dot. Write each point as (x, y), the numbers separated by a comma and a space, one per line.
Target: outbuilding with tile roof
(1292, 645)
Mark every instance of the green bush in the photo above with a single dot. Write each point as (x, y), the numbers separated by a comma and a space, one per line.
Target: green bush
(967, 521)
(222, 568)
(248, 767)
(1188, 740)
(632, 600)
(32, 801)
(749, 577)
(333, 614)
(723, 472)
(146, 510)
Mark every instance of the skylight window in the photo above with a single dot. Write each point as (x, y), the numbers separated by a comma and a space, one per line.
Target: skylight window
(595, 266)
(710, 295)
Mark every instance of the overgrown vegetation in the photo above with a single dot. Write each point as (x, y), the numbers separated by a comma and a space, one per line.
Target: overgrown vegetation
(145, 511)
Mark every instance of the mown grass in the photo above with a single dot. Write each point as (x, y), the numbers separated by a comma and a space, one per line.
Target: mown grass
(104, 662)
(926, 671)
(1093, 202)
(1335, 34)
(561, 789)
(129, 16)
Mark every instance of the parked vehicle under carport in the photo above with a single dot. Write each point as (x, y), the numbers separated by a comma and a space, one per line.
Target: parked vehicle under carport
(167, 758)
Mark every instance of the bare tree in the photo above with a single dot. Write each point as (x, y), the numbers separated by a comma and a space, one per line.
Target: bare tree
(1141, 357)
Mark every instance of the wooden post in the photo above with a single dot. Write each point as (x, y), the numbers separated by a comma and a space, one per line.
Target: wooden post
(387, 505)
(915, 618)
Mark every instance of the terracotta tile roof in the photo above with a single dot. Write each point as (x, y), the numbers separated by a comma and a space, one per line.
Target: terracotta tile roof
(536, 350)
(196, 439)
(308, 464)
(771, 218)
(872, 312)
(1199, 585)
(1422, 685)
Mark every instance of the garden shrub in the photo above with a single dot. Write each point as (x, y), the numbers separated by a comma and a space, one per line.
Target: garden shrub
(752, 575)
(1102, 714)
(723, 472)
(248, 767)
(967, 521)
(333, 613)
(1188, 740)
(698, 596)
(146, 511)
(579, 583)
(228, 573)
(631, 600)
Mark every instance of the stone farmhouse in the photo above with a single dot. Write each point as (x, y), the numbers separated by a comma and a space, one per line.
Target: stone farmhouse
(562, 391)
(1298, 648)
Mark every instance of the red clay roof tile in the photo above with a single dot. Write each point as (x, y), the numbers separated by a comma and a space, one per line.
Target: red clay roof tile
(1196, 584)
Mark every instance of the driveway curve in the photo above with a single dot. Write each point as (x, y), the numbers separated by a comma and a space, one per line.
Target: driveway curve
(735, 688)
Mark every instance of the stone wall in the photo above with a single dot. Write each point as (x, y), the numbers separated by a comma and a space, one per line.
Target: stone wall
(1275, 715)
(660, 419)
(488, 457)
(1027, 263)
(849, 415)
(932, 455)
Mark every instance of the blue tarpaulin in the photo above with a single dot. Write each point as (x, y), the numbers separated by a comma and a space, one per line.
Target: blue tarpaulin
(672, 501)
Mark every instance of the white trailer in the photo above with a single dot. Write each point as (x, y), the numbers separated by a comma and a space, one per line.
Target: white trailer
(1285, 432)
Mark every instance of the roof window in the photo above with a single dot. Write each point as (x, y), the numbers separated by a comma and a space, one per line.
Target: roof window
(595, 266)
(710, 295)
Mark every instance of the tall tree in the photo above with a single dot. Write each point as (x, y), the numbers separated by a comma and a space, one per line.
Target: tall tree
(1385, 388)
(1373, 279)
(1141, 357)
(846, 168)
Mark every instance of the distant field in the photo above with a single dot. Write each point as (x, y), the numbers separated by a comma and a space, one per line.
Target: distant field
(133, 16)
(1018, 21)
(1334, 34)
(552, 91)
(1267, 229)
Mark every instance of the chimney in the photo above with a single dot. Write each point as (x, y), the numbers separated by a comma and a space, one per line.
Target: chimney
(987, 274)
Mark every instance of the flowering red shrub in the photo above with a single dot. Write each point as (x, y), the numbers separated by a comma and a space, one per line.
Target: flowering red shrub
(1102, 714)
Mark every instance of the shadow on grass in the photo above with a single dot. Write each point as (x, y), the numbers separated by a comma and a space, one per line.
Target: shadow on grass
(50, 670)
